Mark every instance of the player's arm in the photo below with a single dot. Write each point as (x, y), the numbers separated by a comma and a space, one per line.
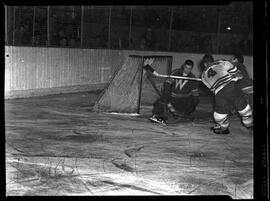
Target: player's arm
(193, 92)
(205, 81)
(237, 75)
(234, 71)
(174, 95)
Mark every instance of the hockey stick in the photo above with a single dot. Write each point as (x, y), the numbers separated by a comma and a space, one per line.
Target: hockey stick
(180, 77)
(151, 70)
(154, 85)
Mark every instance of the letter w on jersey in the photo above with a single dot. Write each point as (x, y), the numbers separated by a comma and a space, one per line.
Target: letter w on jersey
(180, 84)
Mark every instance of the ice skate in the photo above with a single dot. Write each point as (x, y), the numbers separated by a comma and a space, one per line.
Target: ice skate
(219, 130)
(156, 119)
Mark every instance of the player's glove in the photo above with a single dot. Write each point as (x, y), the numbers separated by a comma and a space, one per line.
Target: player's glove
(237, 76)
(150, 70)
(194, 92)
(171, 108)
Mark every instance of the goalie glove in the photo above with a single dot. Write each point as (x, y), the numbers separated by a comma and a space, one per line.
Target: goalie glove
(171, 108)
(173, 112)
(149, 69)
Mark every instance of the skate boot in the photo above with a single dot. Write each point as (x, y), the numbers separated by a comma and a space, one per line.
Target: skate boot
(217, 129)
(250, 127)
(156, 119)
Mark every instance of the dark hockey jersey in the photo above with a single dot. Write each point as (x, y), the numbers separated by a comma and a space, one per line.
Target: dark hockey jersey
(181, 86)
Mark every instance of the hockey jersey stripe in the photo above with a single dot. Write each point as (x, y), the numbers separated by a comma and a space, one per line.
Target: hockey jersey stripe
(220, 80)
(233, 70)
(223, 83)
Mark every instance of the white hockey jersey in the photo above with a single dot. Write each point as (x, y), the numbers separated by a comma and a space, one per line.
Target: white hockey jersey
(218, 74)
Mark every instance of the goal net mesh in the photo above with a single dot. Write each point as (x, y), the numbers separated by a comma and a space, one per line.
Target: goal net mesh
(131, 86)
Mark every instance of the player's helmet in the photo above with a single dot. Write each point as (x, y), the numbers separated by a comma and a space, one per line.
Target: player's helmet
(208, 58)
(239, 57)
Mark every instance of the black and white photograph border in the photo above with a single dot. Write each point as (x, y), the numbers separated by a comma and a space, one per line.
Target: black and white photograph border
(76, 112)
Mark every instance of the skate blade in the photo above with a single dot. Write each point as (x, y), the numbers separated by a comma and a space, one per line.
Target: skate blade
(156, 121)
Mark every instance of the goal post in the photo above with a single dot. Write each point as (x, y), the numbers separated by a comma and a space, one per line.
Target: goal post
(130, 86)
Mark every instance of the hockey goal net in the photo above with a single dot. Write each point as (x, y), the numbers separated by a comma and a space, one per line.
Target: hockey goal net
(130, 86)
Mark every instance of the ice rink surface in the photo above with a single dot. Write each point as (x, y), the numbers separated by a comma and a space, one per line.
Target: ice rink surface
(55, 145)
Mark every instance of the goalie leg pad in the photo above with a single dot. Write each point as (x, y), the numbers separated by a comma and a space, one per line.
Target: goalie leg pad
(160, 109)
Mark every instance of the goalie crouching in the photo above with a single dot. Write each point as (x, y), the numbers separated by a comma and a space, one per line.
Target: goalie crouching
(179, 97)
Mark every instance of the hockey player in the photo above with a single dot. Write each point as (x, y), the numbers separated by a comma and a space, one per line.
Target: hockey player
(206, 60)
(179, 97)
(221, 77)
(246, 83)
